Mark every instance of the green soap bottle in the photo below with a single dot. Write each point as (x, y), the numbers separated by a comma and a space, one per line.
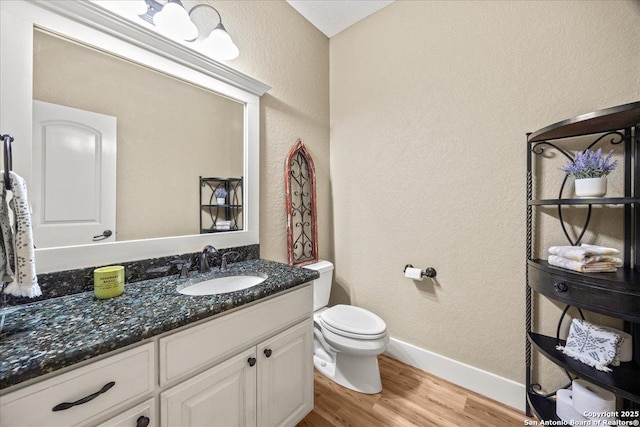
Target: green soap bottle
(108, 282)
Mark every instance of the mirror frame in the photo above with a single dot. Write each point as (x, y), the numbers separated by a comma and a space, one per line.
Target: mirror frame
(98, 27)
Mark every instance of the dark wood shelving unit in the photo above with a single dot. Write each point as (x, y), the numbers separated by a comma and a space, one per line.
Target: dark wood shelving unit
(612, 294)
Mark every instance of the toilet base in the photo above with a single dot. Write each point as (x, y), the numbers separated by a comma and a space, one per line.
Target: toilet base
(358, 373)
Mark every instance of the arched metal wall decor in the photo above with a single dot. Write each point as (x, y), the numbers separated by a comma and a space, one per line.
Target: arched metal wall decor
(300, 188)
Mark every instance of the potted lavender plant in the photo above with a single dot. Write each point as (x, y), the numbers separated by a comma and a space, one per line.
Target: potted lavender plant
(590, 171)
(220, 194)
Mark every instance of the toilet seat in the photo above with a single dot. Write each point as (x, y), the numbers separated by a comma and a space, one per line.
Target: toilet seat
(353, 322)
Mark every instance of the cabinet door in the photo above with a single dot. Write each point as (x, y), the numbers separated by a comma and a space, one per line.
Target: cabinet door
(222, 396)
(285, 377)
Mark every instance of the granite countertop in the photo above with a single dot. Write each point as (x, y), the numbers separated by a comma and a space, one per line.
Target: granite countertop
(42, 337)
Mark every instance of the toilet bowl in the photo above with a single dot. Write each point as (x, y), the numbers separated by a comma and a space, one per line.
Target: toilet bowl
(347, 339)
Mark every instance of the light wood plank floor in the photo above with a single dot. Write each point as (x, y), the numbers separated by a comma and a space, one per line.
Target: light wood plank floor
(409, 397)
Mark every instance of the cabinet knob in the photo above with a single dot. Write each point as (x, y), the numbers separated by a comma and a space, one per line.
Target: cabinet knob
(252, 361)
(267, 352)
(143, 421)
(560, 287)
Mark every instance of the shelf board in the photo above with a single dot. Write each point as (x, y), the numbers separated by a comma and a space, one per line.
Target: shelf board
(543, 407)
(625, 280)
(220, 206)
(207, 230)
(594, 201)
(623, 380)
(606, 120)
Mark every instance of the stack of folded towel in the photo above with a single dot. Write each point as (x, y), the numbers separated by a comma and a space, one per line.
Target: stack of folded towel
(585, 258)
(223, 225)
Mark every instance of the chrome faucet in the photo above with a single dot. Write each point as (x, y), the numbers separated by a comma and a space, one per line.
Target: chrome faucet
(223, 263)
(204, 261)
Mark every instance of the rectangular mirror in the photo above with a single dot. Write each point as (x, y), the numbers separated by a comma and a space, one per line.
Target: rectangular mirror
(202, 103)
(168, 133)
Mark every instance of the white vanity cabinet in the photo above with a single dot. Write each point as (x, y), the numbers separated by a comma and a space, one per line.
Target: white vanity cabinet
(267, 385)
(265, 373)
(250, 367)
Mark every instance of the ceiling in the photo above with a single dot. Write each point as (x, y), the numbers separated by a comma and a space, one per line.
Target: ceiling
(333, 16)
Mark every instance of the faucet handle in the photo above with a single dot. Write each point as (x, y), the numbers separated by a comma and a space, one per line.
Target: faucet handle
(223, 263)
(183, 266)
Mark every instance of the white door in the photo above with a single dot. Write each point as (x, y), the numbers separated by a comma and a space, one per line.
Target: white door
(73, 188)
(285, 377)
(223, 396)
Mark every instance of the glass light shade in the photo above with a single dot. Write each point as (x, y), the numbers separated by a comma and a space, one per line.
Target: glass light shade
(173, 21)
(220, 46)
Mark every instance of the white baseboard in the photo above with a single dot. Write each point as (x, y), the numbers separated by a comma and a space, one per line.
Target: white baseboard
(491, 385)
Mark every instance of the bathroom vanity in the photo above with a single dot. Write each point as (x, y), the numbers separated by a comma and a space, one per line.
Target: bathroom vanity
(160, 358)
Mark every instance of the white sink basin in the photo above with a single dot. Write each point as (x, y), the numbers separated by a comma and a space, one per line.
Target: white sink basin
(222, 285)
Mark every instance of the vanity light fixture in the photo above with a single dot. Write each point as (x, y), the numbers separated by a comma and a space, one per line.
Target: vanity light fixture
(173, 20)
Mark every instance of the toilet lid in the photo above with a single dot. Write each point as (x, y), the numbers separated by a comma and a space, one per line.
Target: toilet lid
(349, 320)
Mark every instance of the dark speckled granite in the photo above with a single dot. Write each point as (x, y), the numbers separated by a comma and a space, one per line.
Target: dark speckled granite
(44, 336)
(62, 283)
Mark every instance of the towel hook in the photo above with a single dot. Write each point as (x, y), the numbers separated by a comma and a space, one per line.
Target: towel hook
(8, 160)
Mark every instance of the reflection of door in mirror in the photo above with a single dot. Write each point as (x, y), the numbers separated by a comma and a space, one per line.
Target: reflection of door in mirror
(169, 132)
(73, 192)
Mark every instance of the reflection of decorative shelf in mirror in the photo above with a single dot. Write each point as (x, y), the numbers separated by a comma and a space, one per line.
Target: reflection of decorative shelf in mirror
(229, 212)
(594, 201)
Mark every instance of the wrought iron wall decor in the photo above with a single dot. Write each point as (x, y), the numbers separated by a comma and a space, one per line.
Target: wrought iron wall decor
(300, 189)
(223, 217)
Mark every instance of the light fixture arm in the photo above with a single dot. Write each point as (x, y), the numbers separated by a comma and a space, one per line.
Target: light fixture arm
(205, 5)
(219, 26)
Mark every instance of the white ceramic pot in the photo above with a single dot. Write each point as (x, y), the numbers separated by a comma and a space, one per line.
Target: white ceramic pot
(591, 187)
(220, 200)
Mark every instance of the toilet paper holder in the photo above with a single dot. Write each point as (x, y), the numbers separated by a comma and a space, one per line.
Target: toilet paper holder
(428, 272)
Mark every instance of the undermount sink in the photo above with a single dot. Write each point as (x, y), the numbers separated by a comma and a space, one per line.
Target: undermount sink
(222, 285)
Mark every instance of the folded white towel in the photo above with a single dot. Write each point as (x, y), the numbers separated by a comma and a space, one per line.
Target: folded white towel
(17, 258)
(582, 267)
(587, 253)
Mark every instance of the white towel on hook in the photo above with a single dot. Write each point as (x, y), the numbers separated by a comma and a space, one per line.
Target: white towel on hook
(17, 257)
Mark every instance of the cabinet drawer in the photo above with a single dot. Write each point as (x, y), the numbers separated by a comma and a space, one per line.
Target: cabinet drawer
(132, 371)
(142, 414)
(200, 346)
(606, 297)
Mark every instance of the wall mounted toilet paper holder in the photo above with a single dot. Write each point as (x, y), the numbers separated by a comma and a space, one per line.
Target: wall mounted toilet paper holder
(428, 272)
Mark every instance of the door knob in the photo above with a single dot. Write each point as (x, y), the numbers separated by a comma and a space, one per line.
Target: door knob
(105, 234)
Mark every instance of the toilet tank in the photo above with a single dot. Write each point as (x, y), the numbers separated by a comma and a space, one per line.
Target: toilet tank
(322, 285)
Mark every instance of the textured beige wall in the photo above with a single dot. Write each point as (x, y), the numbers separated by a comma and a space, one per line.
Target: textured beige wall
(430, 102)
(279, 47)
(164, 125)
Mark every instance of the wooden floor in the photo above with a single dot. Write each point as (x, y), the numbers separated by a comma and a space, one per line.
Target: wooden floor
(409, 397)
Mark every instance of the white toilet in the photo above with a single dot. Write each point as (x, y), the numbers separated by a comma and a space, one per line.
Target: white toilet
(347, 339)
